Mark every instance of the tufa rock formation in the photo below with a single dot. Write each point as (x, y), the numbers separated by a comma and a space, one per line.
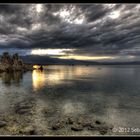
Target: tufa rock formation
(13, 63)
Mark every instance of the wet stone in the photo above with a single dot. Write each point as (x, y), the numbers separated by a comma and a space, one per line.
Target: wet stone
(103, 131)
(57, 126)
(23, 111)
(87, 124)
(98, 122)
(45, 111)
(70, 121)
(91, 127)
(24, 107)
(77, 127)
(80, 120)
(28, 131)
(2, 124)
(84, 121)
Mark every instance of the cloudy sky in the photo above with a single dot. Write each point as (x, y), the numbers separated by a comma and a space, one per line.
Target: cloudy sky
(95, 32)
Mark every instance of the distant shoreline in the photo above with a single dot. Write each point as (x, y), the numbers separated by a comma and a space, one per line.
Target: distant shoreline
(31, 60)
(81, 64)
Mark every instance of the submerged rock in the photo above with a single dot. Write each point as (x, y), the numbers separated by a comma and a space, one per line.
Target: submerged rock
(98, 122)
(77, 127)
(23, 111)
(70, 120)
(99, 126)
(57, 126)
(24, 107)
(28, 131)
(84, 121)
(87, 124)
(3, 123)
(103, 130)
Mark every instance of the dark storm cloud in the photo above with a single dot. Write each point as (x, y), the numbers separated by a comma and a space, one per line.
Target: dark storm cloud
(102, 31)
(94, 12)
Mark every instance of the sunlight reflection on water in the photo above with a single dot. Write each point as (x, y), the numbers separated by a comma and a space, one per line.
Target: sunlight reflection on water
(55, 75)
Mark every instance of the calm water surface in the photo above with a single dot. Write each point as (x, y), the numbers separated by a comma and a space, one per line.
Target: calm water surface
(111, 93)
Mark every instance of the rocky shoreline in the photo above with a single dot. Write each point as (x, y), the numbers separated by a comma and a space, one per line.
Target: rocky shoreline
(12, 63)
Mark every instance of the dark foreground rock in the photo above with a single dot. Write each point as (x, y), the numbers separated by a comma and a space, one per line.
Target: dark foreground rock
(20, 120)
(58, 124)
(98, 122)
(103, 130)
(83, 123)
(101, 127)
(77, 127)
(3, 123)
(28, 131)
(70, 120)
(24, 107)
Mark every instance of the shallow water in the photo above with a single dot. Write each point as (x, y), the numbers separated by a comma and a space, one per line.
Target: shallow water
(109, 93)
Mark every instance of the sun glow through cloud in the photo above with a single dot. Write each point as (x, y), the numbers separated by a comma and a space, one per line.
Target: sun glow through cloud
(67, 54)
(50, 51)
(39, 8)
(80, 57)
(114, 14)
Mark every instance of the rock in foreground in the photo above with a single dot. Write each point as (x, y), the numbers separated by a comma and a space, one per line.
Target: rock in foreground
(2, 123)
(28, 131)
(77, 127)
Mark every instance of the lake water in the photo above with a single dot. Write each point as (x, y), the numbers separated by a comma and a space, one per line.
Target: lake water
(109, 93)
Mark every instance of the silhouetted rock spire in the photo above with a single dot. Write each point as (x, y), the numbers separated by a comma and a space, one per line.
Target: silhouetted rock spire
(13, 63)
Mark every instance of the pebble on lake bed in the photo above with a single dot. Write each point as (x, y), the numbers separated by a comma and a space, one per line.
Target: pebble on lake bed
(70, 120)
(57, 126)
(28, 131)
(97, 122)
(77, 127)
(24, 107)
(2, 124)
